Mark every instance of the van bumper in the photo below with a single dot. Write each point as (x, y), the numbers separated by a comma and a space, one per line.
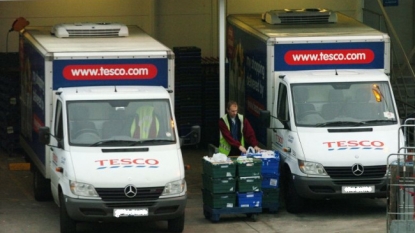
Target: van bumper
(328, 188)
(87, 210)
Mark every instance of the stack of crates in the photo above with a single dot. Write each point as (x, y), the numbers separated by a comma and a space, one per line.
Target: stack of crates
(270, 182)
(9, 102)
(219, 184)
(188, 87)
(210, 100)
(248, 186)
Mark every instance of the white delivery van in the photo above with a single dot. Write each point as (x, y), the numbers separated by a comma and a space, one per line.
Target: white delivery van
(322, 88)
(98, 124)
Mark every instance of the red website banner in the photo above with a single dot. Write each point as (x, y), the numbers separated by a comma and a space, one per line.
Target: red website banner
(109, 71)
(327, 57)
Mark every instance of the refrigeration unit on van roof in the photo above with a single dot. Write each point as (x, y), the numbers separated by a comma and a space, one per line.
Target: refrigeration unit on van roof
(65, 30)
(297, 16)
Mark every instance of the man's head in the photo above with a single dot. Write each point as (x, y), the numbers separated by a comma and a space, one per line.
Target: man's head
(232, 109)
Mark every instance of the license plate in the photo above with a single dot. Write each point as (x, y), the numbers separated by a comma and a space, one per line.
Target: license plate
(358, 189)
(130, 212)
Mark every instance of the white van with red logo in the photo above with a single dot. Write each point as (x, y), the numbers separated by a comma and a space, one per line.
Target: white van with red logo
(99, 129)
(323, 90)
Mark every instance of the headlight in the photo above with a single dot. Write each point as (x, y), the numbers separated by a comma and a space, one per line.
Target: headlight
(82, 189)
(312, 168)
(175, 187)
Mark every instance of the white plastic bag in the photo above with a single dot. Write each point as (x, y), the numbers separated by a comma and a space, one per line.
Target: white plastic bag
(219, 157)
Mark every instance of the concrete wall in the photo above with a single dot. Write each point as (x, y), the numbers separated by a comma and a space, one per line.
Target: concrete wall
(173, 22)
(402, 22)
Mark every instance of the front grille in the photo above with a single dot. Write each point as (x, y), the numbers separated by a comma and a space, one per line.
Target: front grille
(129, 204)
(117, 194)
(346, 172)
(357, 182)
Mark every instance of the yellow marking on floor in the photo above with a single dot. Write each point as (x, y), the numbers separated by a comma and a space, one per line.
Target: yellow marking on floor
(19, 166)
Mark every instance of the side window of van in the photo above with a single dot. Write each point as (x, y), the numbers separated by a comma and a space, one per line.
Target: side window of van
(59, 121)
(282, 110)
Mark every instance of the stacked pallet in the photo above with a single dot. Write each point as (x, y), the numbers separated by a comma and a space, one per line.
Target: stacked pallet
(231, 187)
(219, 184)
(270, 180)
(188, 88)
(9, 102)
(249, 185)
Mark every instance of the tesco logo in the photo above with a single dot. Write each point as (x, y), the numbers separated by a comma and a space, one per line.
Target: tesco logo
(127, 161)
(354, 143)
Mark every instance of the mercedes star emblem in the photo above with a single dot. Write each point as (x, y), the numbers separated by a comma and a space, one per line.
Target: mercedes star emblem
(357, 169)
(130, 191)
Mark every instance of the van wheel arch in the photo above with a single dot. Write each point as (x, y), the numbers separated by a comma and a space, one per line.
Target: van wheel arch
(67, 225)
(294, 203)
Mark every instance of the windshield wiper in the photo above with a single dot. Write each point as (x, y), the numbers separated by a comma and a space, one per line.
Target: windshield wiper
(103, 142)
(378, 121)
(339, 123)
(134, 143)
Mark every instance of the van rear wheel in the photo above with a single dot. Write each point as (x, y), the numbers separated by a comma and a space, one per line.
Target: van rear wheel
(293, 202)
(41, 186)
(177, 224)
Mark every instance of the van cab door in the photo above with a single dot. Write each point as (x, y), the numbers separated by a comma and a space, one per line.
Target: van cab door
(282, 135)
(57, 148)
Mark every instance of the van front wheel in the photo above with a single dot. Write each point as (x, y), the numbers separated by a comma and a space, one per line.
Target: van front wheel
(68, 225)
(177, 224)
(293, 202)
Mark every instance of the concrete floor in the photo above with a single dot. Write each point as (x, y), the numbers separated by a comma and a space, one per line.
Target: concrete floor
(19, 212)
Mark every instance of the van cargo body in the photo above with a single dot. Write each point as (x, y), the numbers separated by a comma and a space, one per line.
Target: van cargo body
(333, 115)
(98, 127)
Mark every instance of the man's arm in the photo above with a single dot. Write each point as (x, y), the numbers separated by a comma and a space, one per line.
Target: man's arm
(227, 134)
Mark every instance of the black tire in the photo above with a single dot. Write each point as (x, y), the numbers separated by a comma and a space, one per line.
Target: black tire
(206, 214)
(293, 202)
(67, 225)
(177, 224)
(41, 186)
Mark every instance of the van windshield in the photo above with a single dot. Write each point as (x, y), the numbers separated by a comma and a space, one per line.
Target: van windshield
(114, 123)
(343, 104)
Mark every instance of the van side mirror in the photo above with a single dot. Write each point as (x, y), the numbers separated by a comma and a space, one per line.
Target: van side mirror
(44, 135)
(192, 138)
(265, 118)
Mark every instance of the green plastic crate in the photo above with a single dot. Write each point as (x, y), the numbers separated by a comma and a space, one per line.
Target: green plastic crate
(270, 195)
(219, 170)
(249, 168)
(219, 185)
(249, 184)
(219, 200)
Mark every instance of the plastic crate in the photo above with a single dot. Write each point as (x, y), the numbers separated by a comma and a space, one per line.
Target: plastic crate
(270, 196)
(250, 199)
(270, 181)
(250, 168)
(271, 165)
(219, 185)
(219, 170)
(249, 184)
(219, 200)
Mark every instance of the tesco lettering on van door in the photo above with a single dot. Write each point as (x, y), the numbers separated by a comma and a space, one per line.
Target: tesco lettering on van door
(354, 145)
(331, 56)
(127, 163)
(108, 71)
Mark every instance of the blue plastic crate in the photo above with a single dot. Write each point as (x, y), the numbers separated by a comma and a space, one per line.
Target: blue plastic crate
(250, 199)
(270, 165)
(270, 181)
